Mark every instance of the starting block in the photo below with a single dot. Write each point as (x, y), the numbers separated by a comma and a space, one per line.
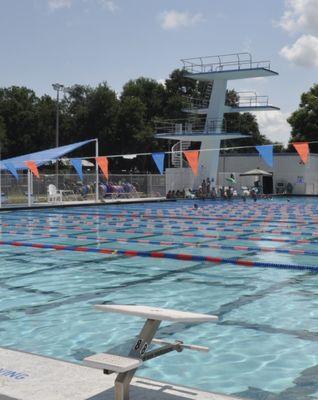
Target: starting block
(126, 367)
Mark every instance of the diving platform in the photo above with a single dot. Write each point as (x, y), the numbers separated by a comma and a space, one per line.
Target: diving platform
(231, 74)
(207, 123)
(226, 66)
(195, 129)
(199, 137)
(232, 109)
(246, 101)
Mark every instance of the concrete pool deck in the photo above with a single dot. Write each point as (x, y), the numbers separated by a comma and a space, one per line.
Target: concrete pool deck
(79, 203)
(26, 376)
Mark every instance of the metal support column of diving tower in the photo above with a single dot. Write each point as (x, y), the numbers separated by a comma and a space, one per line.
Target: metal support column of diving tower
(207, 125)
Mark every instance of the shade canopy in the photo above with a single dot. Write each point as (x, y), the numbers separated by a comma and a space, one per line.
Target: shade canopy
(256, 172)
(42, 157)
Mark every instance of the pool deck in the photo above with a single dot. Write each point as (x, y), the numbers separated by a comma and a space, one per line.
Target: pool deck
(26, 376)
(76, 203)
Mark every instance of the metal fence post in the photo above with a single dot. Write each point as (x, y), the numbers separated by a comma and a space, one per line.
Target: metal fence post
(97, 175)
(29, 188)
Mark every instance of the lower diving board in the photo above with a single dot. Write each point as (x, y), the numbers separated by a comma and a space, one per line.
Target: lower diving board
(126, 367)
(111, 362)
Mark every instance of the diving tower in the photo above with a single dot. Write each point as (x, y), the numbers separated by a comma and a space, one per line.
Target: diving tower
(206, 123)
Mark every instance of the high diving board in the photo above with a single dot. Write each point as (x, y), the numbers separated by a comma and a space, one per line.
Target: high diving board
(126, 367)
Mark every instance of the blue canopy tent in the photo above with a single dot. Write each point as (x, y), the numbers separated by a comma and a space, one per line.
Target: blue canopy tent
(43, 157)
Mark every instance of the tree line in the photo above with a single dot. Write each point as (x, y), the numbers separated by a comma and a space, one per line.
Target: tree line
(123, 124)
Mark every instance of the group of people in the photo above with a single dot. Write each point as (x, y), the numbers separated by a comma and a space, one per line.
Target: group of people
(120, 189)
(206, 191)
(176, 194)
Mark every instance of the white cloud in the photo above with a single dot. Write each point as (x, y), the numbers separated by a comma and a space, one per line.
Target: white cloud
(162, 81)
(177, 19)
(300, 16)
(57, 4)
(304, 52)
(109, 4)
(274, 125)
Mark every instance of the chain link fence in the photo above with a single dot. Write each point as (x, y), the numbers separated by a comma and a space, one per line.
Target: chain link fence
(15, 192)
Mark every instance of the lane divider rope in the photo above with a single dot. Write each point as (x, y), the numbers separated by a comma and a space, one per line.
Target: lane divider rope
(157, 254)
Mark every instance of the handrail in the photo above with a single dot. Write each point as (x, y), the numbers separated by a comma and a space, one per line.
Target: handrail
(222, 62)
(244, 99)
(190, 126)
(252, 99)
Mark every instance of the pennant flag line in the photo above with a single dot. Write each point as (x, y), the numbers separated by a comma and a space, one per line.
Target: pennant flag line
(192, 157)
(103, 165)
(77, 164)
(159, 159)
(11, 168)
(266, 152)
(33, 168)
(302, 149)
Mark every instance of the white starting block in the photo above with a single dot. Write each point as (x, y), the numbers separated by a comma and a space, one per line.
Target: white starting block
(126, 367)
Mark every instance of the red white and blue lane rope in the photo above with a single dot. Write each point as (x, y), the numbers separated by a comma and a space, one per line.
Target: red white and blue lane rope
(171, 243)
(158, 254)
(179, 227)
(188, 234)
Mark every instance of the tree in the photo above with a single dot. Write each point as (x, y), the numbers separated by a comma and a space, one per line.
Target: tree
(245, 123)
(152, 98)
(17, 109)
(304, 121)
(150, 92)
(122, 125)
(88, 113)
(3, 137)
(45, 117)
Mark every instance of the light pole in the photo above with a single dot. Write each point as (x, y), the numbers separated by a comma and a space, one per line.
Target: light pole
(58, 87)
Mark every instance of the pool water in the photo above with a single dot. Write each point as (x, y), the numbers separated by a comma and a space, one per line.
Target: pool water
(265, 345)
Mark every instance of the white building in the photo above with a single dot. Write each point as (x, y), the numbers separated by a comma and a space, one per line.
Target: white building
(287, 168)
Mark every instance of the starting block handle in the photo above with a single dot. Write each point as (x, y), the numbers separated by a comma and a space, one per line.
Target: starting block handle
(184, 346)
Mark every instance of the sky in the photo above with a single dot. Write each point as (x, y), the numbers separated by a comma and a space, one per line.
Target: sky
(92, 41)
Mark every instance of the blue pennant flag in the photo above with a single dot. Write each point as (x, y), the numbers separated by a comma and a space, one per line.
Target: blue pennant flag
(77, 164)
(159, 159)
(266, 152)
(10, 167)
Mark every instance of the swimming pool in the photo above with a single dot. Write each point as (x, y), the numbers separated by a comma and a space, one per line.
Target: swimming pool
(266, 342)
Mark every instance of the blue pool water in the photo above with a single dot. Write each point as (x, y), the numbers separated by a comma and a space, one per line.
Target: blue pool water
(265, 345)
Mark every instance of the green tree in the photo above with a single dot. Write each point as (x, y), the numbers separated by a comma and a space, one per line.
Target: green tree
(45, 117)
(245, 123)
(17, 111)
(88, 113)
(3, 137)
(304, 121)
(150, 92)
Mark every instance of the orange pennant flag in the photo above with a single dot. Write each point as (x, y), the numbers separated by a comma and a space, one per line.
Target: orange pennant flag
(103, 165)
(192, 157)
(33, 168)
(302, 149)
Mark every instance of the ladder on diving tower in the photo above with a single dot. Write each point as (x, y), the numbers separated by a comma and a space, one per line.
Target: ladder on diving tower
(176, 152)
